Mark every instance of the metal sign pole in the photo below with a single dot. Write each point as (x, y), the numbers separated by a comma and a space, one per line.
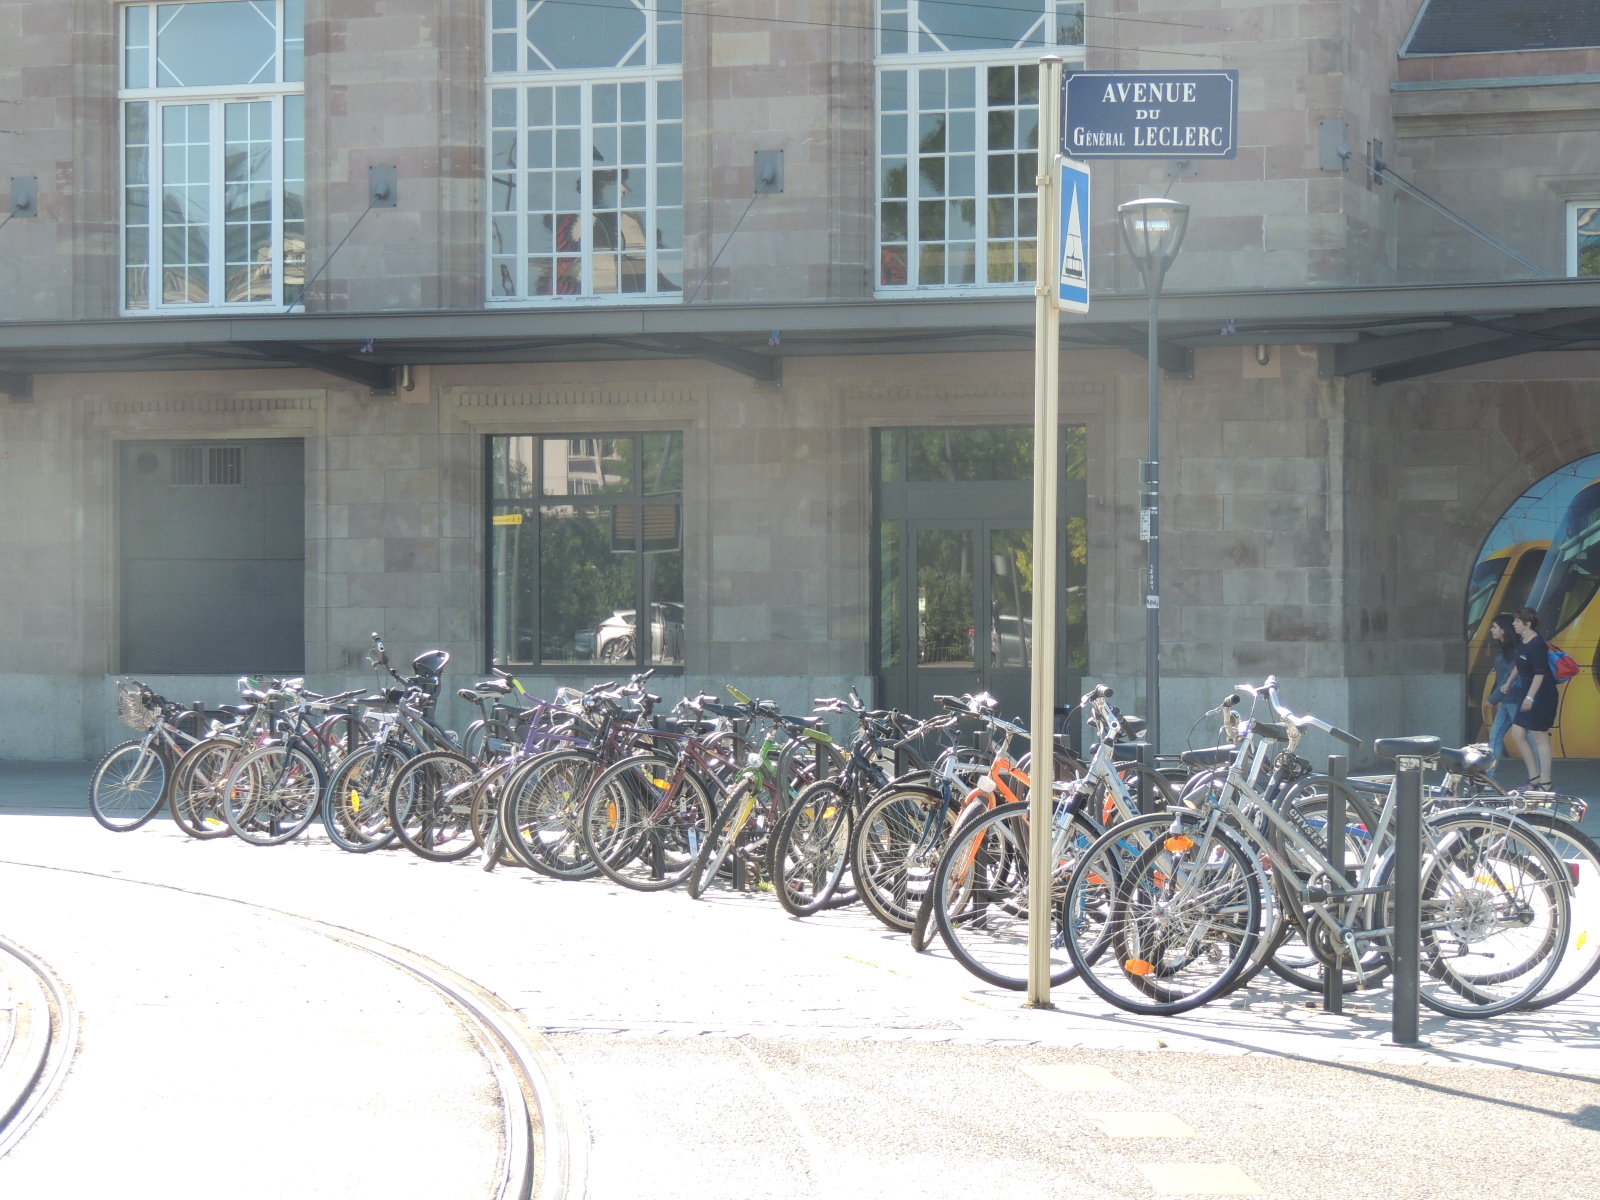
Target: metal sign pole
(1046, 438)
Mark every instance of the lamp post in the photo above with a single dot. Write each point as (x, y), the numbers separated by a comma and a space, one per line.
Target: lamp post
(1153, 230)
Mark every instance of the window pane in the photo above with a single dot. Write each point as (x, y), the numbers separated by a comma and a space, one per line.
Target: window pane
(136, 199)
(200, 45)
(575, 36)
(587, 577)
(136, 47)
(1011, 598)
(889, 593)
(981, 24)
(294, 41)
(588, 466)
(185, 203)
(247, 201)
(513, 559)
(944, 598)
(294, 198)
(1588, 233)
(966, 454)
(512, 468)
(663, 464)
(663, 581)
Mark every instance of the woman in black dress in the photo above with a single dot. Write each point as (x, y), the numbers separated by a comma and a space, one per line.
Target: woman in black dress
(1537, 712)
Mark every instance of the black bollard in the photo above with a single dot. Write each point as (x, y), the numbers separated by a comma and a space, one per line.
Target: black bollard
(1407, 900)
(1333, 976)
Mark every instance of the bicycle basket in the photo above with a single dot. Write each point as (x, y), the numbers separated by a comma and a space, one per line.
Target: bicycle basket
(137, 707)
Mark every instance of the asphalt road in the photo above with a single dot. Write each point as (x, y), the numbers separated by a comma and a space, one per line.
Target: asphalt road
(722, 1050)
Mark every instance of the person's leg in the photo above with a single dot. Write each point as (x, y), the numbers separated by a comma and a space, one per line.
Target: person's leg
(1541, 745)
(1497, 735)
(1525, 748)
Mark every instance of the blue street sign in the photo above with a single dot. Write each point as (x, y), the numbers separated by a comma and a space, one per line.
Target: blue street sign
(1151, 114)
(1072, 281)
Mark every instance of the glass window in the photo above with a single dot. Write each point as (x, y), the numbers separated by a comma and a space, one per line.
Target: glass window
(1583, 238)
(567, 578)
(221, 176)
(948, 124)
(585, 173)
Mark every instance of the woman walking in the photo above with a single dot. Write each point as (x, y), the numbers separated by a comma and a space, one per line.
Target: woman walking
(1505, 702)
(1537, 711)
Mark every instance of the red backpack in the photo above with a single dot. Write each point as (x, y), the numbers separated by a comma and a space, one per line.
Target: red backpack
(1562, 665)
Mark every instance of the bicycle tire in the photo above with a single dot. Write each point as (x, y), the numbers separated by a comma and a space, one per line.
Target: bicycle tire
(272, 794)
(430, 805)
(981, 894)
(733, 817)
(196, 793)
(540, 813)
(1580, 961)
(895, 851)
(485, 816)
(355, 803)
(128, 786)
(810, 849)
(1462, 888)
(1180, 900)
(923, 927)
(630, 836)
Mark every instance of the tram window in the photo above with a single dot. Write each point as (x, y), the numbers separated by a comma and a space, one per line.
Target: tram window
(1485, 578)
(1575, 564)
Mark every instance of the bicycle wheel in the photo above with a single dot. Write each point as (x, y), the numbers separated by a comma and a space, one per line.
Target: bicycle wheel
(485, 816)
(271, 795)
(128, 786)
(355, 808)
(430, 805)
(811, 849)
(644, 824)
(802, 762)
(895, 850)
(1495, 913)
(541, 814)
(731, 828)
(1581, 960)
(980, 903)
(1170, 929)
(485, 741)
(196, 800)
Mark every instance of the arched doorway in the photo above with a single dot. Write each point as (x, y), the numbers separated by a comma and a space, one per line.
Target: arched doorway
(1545, 552)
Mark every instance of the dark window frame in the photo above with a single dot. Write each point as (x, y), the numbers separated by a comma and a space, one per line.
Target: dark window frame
(637, 498)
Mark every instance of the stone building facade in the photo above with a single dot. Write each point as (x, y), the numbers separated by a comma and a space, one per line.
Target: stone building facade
(1357, 385)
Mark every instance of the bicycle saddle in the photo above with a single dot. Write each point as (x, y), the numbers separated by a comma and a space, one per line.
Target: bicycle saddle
(1211, 756)
(1469, 760)
(1407, 747)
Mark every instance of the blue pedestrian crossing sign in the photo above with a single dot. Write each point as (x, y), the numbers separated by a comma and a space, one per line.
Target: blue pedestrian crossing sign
(1072, 277)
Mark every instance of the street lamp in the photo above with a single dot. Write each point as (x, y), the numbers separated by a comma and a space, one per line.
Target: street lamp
(1153, 230)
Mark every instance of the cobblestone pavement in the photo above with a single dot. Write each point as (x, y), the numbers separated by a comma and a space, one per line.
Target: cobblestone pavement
(722, 1049)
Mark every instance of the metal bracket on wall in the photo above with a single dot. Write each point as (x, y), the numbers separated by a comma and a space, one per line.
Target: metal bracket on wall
(766, 371)
(381, 378)
(25, 196)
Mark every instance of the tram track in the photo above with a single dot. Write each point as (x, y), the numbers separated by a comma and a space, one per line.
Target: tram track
(44, 1037)
(545, 1147)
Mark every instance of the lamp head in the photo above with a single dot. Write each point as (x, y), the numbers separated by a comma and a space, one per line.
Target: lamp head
(1153, 230)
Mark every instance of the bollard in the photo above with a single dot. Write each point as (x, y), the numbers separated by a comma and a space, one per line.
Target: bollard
(1407, 899)
(1147, 755)
(1333, 975)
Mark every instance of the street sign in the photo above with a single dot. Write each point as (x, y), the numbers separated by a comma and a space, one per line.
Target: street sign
(1151, 114)
(1073, 279)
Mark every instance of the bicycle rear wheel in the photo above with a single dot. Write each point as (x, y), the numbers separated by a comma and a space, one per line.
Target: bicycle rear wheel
(128, 786)
(728, 833)
(811, 849)
(1581, 960)
(895, 851)
(430, 805)
(1495, 913)
(541, 814)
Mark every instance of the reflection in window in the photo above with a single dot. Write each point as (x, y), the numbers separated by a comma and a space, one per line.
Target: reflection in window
(1011, 598)
(568, 581)
(944, 598)
(1583, 239)
(958, 142)
(226, 175)
(586, 177)
(889, 593)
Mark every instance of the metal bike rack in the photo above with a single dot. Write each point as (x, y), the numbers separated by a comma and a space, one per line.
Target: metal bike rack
(1333, 974)
(1407, 900)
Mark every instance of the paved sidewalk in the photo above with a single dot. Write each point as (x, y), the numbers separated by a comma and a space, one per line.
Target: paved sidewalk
(724, 1050)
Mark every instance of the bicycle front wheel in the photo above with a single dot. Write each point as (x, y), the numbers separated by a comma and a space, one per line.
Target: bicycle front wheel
(355, 808)
(197, 807)
(727, 831)
(430, 805)
(895, 850)
(1581, 960)
(128, 786)
(811, 849)
(271, 795)
(644, 823)
(541, 813)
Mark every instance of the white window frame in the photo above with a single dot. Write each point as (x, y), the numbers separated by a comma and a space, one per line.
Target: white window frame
(1573, 208)
(911, 62)
(651, 74)
(216, 98)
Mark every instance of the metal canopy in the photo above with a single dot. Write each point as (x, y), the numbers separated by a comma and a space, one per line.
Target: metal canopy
(1393, 332)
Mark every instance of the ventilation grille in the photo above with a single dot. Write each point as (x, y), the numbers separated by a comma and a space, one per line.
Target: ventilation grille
(219, 466)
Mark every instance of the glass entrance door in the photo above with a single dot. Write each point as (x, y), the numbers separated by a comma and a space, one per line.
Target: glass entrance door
(954, 566)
